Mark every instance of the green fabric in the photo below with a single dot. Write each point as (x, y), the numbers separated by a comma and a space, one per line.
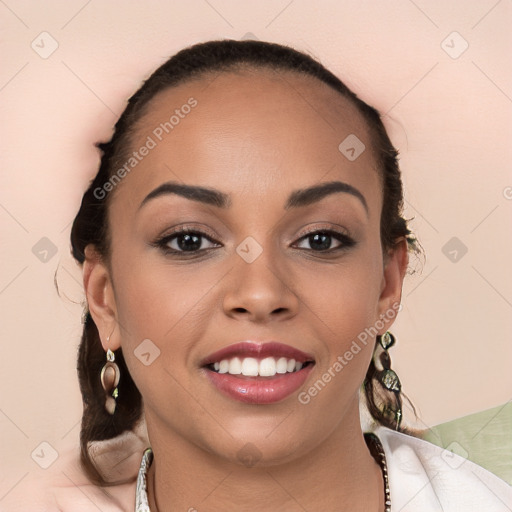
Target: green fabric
(484, 438)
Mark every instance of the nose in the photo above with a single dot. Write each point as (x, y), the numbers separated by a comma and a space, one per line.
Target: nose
(260, 292)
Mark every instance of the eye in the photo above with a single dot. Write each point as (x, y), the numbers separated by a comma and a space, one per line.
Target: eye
(186, 241)
(325, 241)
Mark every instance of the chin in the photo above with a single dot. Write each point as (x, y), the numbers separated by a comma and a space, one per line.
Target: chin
(258, 447)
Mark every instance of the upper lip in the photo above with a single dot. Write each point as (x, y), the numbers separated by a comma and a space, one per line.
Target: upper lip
(258, 350)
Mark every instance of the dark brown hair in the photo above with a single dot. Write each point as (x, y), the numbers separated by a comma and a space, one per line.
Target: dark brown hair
(91, 226)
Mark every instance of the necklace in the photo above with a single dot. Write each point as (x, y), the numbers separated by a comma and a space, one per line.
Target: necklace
(372, 441)
(377, 451)
(141, 492)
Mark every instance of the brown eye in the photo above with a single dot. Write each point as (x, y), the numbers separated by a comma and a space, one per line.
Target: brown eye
(186, 241)
(320, 241)
(189, 242)
(325, 241)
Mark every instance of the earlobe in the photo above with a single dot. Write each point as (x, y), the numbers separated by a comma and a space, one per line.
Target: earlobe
(392, 280)
(100, 298)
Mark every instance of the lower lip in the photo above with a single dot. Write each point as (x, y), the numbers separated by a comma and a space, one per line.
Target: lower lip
(259, 390)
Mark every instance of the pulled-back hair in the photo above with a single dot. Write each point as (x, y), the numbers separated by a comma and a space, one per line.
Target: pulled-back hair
(91, 226)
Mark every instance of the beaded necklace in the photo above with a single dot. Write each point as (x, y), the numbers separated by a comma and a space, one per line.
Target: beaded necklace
(372, 441)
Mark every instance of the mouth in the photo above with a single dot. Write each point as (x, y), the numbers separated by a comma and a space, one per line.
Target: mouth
(258, 373)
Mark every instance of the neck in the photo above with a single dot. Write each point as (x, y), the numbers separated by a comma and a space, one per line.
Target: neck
(339, 474)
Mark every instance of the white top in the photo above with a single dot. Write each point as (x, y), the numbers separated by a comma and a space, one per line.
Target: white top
(422, 478)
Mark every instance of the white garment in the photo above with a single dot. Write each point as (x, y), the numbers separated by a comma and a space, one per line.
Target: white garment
(422, 478)
(426, 478)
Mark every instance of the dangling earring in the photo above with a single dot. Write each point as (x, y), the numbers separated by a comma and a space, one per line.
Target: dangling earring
(385, 375)
(110, 376)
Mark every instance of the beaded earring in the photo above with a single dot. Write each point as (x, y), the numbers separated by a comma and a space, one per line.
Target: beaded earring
(385, 375)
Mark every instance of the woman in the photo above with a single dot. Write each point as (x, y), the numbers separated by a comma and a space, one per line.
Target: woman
(243, 251)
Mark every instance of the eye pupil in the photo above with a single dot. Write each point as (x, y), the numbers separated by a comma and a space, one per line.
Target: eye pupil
(188, 242)
(320, 241)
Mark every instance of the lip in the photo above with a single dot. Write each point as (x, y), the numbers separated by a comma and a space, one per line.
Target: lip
(259, 351)
(258, 390)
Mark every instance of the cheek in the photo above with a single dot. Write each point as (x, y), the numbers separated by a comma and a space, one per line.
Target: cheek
(162, 305)
(167, 305)
(342, 305)
(346, 311)
(342, 299)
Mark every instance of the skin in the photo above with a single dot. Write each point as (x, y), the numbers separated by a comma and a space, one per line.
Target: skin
(256, 136)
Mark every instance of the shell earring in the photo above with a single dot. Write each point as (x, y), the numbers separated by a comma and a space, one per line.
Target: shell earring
(110, 376)
(385, 375)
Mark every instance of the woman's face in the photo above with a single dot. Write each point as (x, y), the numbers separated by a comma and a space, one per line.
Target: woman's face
(249, 270)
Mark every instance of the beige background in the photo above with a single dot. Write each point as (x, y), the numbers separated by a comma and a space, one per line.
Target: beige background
(449, 113)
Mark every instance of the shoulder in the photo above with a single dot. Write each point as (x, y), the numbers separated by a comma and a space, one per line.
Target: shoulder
(64, 486)
(425, 477)
(61, 488)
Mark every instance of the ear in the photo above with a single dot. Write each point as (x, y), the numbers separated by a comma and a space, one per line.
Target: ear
(100, 297)
(395, 268)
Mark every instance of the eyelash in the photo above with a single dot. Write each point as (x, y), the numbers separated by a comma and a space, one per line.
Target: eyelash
(346, 242)
(162, 242)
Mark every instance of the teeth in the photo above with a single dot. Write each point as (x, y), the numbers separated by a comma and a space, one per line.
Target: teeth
(282, 365)
(267, 367)
(251, 367)
(290, 365)
(235, 366)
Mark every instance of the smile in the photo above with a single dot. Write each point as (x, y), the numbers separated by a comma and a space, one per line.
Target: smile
(258, 373)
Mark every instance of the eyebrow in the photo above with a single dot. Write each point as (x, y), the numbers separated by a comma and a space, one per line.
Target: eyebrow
(193, 192)
(297, 199)
(307, 196)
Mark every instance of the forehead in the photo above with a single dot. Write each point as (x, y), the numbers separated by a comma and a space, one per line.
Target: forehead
(254, 130)
(262, 98)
